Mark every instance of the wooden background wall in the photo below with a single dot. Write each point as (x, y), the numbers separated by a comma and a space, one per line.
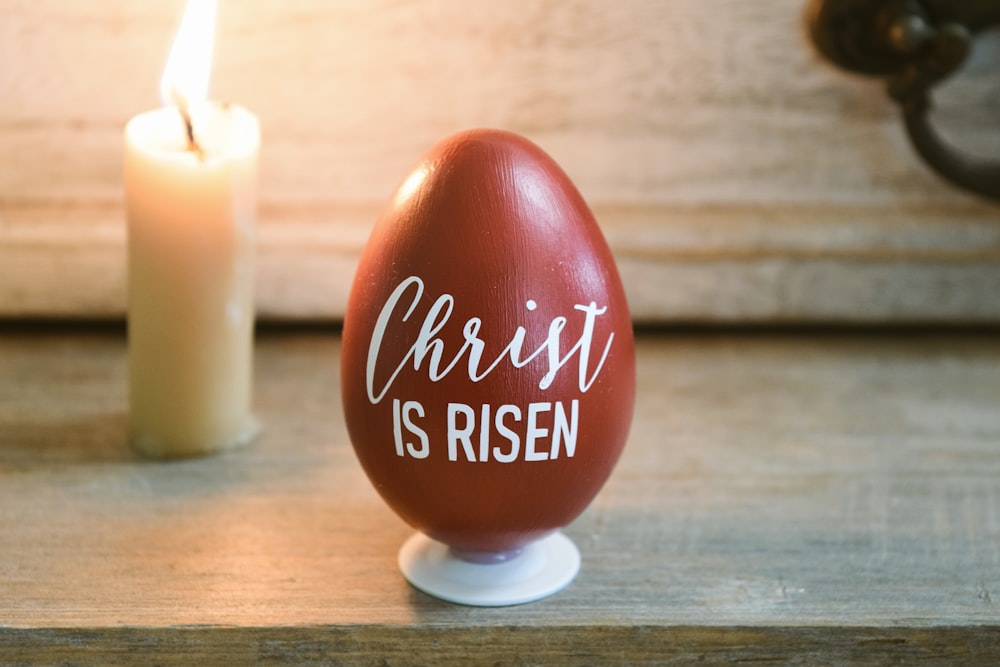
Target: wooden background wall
(737, 177)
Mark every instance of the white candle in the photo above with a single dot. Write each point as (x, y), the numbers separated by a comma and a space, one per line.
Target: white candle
(190, 191)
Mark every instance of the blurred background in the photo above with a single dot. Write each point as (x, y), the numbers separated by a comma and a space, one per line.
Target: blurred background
(738, 177)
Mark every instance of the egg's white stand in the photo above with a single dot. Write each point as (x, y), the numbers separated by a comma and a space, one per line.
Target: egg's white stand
(542, 568)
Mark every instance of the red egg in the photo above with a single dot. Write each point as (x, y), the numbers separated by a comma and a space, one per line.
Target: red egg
(488, 364)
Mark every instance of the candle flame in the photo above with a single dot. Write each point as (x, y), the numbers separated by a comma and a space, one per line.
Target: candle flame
(185, 78)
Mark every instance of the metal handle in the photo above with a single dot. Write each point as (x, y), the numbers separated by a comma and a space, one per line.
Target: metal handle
(914, 44)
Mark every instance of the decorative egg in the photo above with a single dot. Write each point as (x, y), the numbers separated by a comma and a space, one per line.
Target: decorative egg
(488, 364)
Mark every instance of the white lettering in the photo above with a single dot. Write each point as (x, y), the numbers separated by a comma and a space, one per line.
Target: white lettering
(456, 435)
(397, 427)
(484, 434)
(534, 432)
(515, 440)
(591, 312)
(425, 449)
(564, 430)
(430, 349)
(379, 333)
(401, 417)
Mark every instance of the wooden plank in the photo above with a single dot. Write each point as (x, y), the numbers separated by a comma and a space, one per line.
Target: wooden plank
(804, 499)
(703, 264)
(699, 132)
(511, 645)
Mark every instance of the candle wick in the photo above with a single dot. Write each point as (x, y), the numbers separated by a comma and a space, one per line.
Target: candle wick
(182, 107)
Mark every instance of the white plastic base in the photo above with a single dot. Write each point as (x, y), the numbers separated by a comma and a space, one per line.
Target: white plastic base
(541, 569)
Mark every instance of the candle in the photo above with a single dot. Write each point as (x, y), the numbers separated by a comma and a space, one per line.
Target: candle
(190, 191)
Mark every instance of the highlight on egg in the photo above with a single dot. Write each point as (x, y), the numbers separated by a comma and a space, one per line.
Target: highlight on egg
(488, 369)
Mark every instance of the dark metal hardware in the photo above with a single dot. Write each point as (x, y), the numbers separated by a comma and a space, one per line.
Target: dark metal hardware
(914, 45)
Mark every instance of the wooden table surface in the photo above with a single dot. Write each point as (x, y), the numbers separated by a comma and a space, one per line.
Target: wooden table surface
(783, 498)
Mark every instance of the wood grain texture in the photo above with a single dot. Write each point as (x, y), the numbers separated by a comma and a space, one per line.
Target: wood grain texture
(737, 176)
(807, 500)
